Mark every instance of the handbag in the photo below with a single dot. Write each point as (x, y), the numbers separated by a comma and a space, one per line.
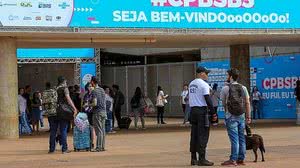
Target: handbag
(160, 101)
(64, 112)
(146, 110)
(149, 108)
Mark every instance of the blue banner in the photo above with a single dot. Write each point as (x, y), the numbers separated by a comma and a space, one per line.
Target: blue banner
(232, 14)
(23, 53)
(275, 78)
(87, 70)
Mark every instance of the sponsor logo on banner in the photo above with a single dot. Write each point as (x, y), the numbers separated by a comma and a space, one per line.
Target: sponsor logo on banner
(7, 4)
(44, 5)
(26, 4)
(91, 18)
(48, 18)
(58, 18)
(38, 18)
(13, 17)
(27, 18)
(64, 5)
(95, 22)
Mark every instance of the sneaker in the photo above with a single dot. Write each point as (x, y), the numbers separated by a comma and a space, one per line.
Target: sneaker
(96, 150)
(65, 152)
(112, 132)
(163, 123)
(205, 163)
(229, 163)
(51, 152)
(194, 162)
(240, 163)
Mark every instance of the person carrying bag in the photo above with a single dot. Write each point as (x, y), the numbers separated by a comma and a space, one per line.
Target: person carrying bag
(138, 105)
(65, 112)
(161, 100)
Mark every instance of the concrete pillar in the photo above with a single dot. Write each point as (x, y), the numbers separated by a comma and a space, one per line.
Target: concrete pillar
(240, 59)
(9, 120)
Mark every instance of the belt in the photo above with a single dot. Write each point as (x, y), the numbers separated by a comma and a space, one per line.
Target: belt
(198, 107)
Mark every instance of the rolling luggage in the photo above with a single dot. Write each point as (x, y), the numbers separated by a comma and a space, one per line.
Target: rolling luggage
(125, 123)
(82, 139)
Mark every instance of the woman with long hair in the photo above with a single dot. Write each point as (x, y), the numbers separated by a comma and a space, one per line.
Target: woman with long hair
(36, 110)
(161, 100)
(138, 104)
(22, 107)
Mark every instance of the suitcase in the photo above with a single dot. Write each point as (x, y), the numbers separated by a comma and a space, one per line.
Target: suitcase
(82, 139)
(125, 123)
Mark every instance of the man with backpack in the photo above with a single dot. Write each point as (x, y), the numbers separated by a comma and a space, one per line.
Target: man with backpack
(236, 102)
(49, 98)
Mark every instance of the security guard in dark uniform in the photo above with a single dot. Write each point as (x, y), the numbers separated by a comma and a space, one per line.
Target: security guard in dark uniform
(201, 111)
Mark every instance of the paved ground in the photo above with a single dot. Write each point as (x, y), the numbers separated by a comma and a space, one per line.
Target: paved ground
(154, 148)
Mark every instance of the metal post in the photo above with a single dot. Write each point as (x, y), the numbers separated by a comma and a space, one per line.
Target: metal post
(98, 63)
(145, 78)
(157, 75)
(114, 70)
(298, 112)
(126, 86)
(195, 67)
(77, 72)
(170, 89)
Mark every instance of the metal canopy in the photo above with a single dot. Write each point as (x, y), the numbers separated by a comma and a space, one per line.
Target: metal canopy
(153, 38)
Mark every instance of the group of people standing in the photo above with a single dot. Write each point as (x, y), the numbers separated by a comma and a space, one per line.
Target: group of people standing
(98, 103)
(236, 102)
(101, 104)
(30, 111)
(255, 99)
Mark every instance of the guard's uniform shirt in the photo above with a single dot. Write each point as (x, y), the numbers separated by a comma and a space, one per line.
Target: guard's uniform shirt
(198, 88)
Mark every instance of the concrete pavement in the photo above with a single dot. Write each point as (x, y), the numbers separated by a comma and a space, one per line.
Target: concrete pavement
(155, 147)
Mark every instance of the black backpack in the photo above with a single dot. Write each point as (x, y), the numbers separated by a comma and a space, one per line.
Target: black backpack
(134, 102)
(236, 102)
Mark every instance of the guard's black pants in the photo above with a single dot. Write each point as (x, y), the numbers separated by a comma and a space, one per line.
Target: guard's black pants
(199, 133)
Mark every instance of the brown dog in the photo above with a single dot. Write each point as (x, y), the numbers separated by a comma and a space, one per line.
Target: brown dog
(255, 142)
